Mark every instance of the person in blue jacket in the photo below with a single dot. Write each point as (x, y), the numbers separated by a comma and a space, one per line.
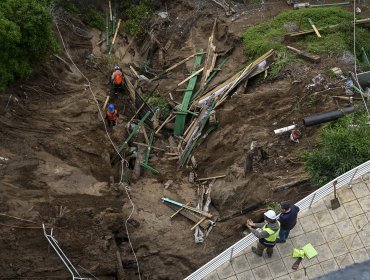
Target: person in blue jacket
(288, 220)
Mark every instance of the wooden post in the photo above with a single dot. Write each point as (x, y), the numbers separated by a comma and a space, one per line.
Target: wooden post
(105, 103)
(139, 160)
(314, 28)
(110, 10)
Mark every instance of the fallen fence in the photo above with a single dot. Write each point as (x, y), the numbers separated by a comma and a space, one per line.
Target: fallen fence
(305, 203)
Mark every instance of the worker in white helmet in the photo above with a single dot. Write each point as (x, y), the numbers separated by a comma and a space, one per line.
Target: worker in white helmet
(266, 233)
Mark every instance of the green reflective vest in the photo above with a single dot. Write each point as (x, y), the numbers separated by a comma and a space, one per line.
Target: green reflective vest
(273, 234)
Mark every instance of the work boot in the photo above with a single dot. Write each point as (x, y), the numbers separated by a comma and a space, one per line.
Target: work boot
(269, 255)
(254, 250)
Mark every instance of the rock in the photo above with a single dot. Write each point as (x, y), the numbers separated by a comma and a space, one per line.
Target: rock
(348, 58)
(168, 184)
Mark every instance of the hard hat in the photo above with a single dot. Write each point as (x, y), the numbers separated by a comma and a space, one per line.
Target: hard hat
(111, 108)
(270, 214)
(116, 67)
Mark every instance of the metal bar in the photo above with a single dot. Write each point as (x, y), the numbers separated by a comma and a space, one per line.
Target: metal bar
(231, 254)
(53, 242)
(350, 181)
(106, 28)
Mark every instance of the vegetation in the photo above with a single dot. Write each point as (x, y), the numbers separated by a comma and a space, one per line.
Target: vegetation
(159, 102)
(343, 145)
(87, 12)
(270, 34)
(26, 37)
(137, 15)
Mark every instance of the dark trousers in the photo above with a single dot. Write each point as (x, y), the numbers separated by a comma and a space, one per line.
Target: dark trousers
(283, 234)
(111, 123)
(261, 247)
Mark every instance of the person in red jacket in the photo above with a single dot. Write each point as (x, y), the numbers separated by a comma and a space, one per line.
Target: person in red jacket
(112, 115)
(117, 79)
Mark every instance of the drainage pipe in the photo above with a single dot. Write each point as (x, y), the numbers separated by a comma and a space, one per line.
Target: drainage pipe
(330, 116)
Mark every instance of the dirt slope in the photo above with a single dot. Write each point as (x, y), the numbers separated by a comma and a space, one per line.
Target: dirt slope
(58, 169)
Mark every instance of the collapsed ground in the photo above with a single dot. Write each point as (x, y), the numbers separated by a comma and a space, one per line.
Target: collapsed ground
(58, 170)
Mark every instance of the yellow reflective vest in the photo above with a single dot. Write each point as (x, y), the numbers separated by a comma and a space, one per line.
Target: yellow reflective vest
(273, 234)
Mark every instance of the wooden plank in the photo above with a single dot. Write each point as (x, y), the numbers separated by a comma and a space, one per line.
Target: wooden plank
(305, 55)
(105, 103)
(209, 178)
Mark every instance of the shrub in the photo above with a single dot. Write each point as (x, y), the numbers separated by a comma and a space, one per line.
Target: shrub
(343, 145)
(26, 37)
(137, 16)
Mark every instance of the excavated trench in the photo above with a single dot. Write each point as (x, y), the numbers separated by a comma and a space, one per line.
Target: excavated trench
(58, 170)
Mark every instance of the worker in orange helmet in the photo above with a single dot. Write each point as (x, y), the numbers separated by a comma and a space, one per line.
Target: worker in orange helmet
(112, 115)
(117, 79)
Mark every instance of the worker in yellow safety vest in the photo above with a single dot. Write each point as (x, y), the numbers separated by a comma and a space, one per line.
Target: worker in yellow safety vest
(266, 233)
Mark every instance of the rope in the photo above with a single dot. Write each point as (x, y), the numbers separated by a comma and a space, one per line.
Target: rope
(114, 146)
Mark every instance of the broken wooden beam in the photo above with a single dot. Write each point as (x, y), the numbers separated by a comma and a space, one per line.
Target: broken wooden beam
(213, 177)
(314, 28)
(305, 55)
(178, 211)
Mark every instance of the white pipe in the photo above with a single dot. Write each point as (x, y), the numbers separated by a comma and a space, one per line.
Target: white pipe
(284, 129)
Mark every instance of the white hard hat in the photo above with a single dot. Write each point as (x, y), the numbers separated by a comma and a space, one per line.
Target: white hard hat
(270, 214)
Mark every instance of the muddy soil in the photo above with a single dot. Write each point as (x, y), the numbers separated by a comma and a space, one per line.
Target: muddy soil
(55, 167)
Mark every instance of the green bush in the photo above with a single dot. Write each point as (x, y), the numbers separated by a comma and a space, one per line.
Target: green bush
(343, 145)
(26, 37)
(137, 16)
(159, 102)
(270, 34)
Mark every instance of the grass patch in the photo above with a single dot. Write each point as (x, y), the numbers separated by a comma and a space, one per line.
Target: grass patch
(270, 34)
(138, 16)
(343, 145)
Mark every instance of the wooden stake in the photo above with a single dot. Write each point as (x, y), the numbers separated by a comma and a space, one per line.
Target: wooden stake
(145, 135)
(314, 28)
(178, 211)
(214, 177)
(191, 76)
(110, 11)
(115, 33)
(169, 118)
(105, 103)
(198, 223)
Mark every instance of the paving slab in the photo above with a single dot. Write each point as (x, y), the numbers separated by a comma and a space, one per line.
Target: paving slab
(314, 271)
(299, 241)
(225, 271)
(345, 227)
(285, 249)
(308, 223)
(360, 189)
(277, 268)
(232, 278)
(346, 194)
(324, 218)
(297, 230)
(285, 277)
(353, 208)
(288, 262)
(365, 203)
(240, 264)
(339, 214)
(318, 206)
(353, 242)
(246, 275)
(254, 260)
(212, 276)
(315, 237)
(337, 248)
(275, 256)
(360, 255)
(344, 260)
(324, 252)
(262, 273)
(359, 222)
(365, 235)
(329, 266)
(298, 275)
(331, 232)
